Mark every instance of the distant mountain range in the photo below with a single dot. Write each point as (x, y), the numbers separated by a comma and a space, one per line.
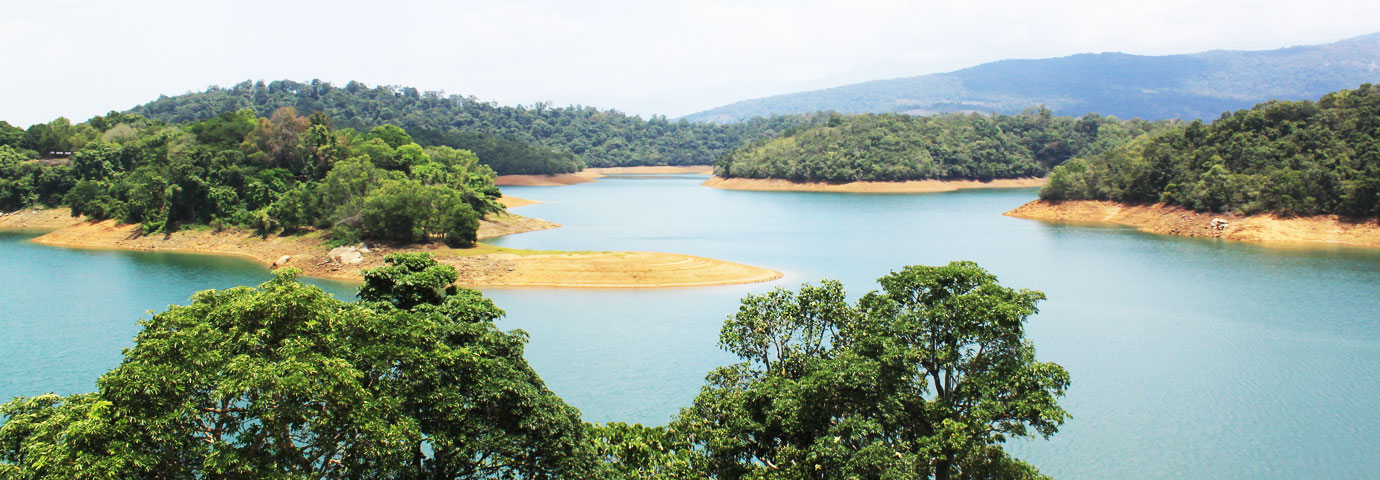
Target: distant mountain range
(1198, 85)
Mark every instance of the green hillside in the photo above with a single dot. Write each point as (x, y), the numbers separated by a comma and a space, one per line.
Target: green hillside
(1200, 85)
(1285, 157)
(600, 138)
(896, 147)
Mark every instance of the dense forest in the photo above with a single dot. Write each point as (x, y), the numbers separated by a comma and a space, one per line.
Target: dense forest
(1187, 87)
(1286, 157)
(574, 134)
(236, 169)
(925, 378)
(896, 147)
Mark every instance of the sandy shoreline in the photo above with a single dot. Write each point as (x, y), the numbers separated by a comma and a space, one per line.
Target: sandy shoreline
(592, 174)
(481, 266)
(514, 202)
(652, 169)
(1174, 220)
(911, 186)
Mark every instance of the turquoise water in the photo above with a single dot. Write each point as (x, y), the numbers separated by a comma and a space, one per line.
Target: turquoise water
(1190, 357)
(66, 313)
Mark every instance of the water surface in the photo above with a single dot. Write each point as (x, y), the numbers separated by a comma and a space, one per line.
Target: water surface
(1190, 357)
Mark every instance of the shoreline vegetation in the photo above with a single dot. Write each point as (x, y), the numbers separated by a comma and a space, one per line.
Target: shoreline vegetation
(482, 265)
(1167, 219)
(593, 174)
(909, 186)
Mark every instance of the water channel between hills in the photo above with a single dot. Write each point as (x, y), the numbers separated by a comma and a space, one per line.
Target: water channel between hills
(1190, 357)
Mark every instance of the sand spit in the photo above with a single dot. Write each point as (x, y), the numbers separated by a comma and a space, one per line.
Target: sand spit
(911, 186)
(514, 202)
(609, 270)
(1174, 220)
(592, 174)
(483, 265)
(509, 224)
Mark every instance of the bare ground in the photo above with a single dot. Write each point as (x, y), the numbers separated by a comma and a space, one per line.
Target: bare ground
(1174, 220)
(911, 186)
(592, 174)
(482, 265)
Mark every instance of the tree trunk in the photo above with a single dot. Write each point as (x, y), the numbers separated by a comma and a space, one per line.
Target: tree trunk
(942, 467)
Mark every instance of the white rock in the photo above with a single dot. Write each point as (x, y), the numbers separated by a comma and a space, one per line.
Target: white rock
(346, 255)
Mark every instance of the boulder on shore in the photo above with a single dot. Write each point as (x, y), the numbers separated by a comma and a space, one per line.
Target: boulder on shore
(346, 256)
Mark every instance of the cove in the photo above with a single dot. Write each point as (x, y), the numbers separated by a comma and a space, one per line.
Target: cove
(1190, 357)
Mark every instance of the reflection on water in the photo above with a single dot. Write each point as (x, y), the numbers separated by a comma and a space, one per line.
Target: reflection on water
(1190, 357)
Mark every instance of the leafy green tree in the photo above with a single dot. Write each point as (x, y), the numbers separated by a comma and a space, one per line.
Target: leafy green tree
(297, 208)
(322, 148)
(90, 198)
(227, 130)
(284, 381)
(408, 211)
(399, 211)
(1290, 158)
(923, 379)
(10, 135)
(408, 280)
(406, 156)
(390, 134)
(378, 152)
(98, 161)
(636, 452)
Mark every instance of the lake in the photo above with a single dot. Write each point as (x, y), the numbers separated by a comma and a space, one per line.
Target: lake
(1189, 357)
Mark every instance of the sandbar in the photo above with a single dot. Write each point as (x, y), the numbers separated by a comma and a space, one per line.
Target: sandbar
(514, 202)
(1174, 220)
(909, 186)
(479, 266)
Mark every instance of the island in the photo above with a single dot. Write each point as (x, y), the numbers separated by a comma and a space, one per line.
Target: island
(479, 266)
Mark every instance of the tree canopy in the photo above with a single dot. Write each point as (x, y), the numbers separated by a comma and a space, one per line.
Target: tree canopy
(895, 147)
(237, 169)
(1293, 158)
(923, 379)
(538, 138)
(926, 378)
(284, 381)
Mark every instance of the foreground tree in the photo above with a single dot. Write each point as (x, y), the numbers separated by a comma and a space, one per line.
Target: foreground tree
(924, 379)
(285, 381)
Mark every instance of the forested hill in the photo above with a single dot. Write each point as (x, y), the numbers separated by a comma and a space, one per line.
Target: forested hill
(1287, 157)
(1200, 85)
(601, 138)
(896, 147)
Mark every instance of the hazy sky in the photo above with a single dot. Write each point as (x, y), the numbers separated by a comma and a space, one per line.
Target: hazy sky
(79, 58)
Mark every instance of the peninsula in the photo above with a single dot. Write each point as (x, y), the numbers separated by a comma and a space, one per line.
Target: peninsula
(1175, 220)
(1280, 171)
(479, 266)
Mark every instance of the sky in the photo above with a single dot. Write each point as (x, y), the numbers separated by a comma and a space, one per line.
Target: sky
(79, 58)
